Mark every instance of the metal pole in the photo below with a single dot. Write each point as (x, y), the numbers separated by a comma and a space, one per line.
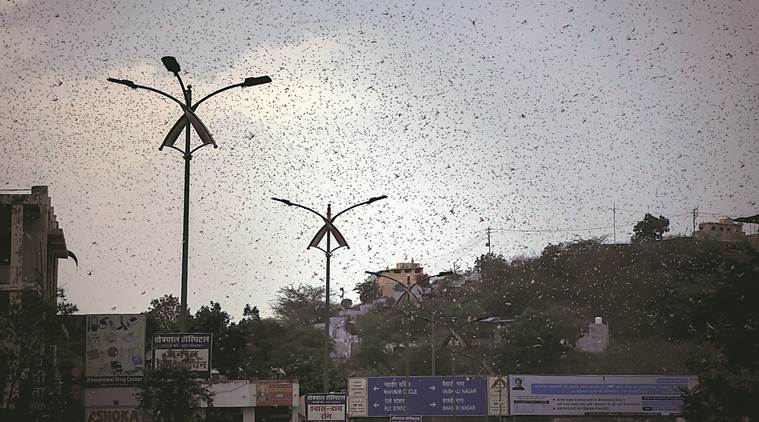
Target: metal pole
(325, 379)
(186, 218)
(408, 344)
(432, 342)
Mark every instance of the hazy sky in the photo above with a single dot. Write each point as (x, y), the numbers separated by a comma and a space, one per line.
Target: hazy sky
(518, 116)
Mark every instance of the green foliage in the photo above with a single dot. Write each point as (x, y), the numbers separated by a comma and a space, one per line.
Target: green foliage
(172, 395)
(729, 383)
(228, 339)
(302, 305)
(27, 333)
(650, 228)
(368, 290)
(163, 315)
(537, 341)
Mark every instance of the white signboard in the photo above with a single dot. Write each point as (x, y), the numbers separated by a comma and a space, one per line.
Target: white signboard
(325, 407)
(597, 394)
(115, 349)
(357, 407)
(357, 397)
(357, 387)
(498, 396)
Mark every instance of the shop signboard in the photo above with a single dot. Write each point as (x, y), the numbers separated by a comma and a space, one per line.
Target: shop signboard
(274, 393)
(190, 351)
(325, 407)
(114, 349)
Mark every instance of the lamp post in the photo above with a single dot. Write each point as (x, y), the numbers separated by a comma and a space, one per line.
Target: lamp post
(407, 316)
(186, 120)
(329, 230)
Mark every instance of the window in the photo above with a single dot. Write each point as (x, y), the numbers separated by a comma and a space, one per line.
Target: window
(5, 235)
(5, 302)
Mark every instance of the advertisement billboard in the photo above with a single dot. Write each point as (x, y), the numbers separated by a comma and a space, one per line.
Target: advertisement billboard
(191, 351)
(325, 407)
(274, 394)
(114, 349)
(597, 394)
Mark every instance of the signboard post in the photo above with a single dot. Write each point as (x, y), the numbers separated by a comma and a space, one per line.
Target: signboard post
(190, 351)
(598, 394)
(325, 407)
(114, 349)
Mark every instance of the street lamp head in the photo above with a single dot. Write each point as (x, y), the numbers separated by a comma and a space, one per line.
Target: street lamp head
(284, 201)
(376, 274)
(257, 80)
(443, 274)
(376, 198)
(128, 83)
(171, 64)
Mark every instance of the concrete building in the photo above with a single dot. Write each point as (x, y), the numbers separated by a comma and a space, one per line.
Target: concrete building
(31, 242)
(726, 230)
(405, 272)
(240, 400)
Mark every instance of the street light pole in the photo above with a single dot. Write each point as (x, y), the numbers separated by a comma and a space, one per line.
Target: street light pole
(329, 230)
(186, 120)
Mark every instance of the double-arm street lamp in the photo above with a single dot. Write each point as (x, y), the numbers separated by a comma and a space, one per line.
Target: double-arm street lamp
(329, 230)
(186, 120)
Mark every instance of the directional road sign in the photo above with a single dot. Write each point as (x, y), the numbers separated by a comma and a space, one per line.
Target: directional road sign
(427, 396)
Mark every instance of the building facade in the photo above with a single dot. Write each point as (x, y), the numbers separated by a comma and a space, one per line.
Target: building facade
(404, 272)
(31, 242)
(726, 230)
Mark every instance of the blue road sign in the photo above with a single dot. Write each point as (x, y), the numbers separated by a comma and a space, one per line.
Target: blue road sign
(428, 396)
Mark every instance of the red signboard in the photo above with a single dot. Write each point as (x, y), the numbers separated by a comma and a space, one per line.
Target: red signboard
(274, 394)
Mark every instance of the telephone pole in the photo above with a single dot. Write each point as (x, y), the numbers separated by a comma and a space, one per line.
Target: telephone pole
(695, 215)
(614, 219)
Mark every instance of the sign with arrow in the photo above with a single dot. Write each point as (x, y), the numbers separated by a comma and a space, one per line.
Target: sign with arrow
(427, 396)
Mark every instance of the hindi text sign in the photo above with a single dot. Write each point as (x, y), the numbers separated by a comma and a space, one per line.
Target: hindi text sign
(191, 351)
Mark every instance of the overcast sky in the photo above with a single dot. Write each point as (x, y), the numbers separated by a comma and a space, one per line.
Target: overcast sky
(520, 116)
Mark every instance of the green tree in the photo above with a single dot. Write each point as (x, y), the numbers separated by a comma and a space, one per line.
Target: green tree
(650, 228)
(368, 290)
(729, 384)
(537, 341)
(228, 338)
(163, 315)
(173, 395)
(27, 333)
(302, 305)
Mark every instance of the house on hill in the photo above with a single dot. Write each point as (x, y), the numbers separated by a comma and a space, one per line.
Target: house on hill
(726, 230)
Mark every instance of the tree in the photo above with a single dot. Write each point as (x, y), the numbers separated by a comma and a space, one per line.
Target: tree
(536, 341)
(650, 228)
(163, 315)
(228, 340)
(26, 334)
(368, 290)
(302, 305)
(729, 384)
(173, 395)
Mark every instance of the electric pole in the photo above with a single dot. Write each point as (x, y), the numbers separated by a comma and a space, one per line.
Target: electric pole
(614, 219)
(488, 244)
